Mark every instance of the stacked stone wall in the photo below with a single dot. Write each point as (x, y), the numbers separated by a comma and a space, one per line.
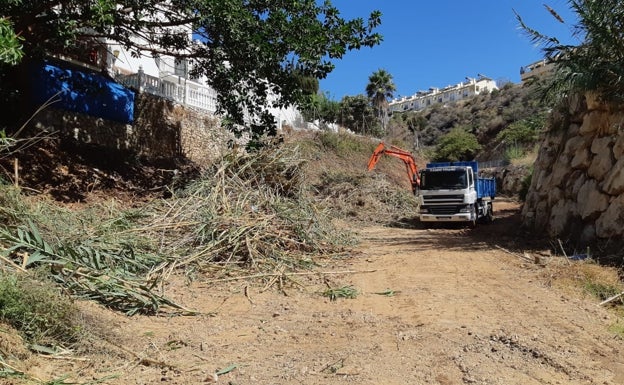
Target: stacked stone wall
(577, 188)
(161, 129)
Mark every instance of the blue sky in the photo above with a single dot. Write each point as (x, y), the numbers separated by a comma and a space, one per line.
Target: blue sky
(438, 43)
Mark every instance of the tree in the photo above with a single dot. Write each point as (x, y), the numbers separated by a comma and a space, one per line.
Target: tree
(246, 49)
(593, 65)
(320, 107)
(10, 47)
(357, 114)
(458, 144)
(380, 87)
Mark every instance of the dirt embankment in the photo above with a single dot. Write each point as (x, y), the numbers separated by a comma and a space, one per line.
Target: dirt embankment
(434, 306)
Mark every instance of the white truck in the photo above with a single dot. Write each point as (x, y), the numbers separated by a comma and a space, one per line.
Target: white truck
(454, 192)
(446, 191)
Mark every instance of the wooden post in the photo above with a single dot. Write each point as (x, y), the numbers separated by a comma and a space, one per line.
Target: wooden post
(16, 172)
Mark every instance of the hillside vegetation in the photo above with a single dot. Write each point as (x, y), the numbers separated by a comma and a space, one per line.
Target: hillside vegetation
(505, 123)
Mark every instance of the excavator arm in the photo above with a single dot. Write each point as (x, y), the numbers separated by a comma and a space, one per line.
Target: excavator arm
(405, 156)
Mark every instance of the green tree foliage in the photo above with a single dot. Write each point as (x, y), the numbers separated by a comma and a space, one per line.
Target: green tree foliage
(246, 49)
(597, 63)
(10, 46)
(458, 144)
(379, 89)
(357, 114)
(525, 131)
(320, 107)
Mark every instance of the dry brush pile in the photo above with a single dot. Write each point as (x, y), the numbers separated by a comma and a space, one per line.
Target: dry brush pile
(248, 215)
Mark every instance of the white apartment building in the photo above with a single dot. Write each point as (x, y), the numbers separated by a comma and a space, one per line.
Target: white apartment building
(448, 94)
(168, 77)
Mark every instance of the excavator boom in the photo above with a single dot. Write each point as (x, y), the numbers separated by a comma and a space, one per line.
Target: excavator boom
(405, 156)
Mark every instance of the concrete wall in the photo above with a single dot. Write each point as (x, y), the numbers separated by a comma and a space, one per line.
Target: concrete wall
(577, 189)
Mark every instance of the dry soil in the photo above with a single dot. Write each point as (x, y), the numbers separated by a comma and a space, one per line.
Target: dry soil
(434, 306)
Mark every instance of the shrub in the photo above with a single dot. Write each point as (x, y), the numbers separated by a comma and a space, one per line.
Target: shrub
(525, 131)
(342, 144)
(458, 144)
(38, 311)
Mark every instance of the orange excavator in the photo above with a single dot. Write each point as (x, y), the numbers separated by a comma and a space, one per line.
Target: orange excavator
(405, 156)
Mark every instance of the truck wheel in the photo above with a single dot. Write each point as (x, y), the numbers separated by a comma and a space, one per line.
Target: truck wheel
(473, 216)
(489, 216)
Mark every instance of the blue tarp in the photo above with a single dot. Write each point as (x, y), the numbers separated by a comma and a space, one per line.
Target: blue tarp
(82, 91)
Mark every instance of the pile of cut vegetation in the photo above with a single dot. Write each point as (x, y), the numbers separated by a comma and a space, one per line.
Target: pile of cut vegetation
(337, 175)
(258, 216)
(247, 213)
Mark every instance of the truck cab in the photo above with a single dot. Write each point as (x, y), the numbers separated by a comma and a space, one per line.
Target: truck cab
(453, 192)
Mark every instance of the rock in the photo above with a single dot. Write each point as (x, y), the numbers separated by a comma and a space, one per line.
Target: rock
(591, 201)
(602, 161)
(611, 222)
(542, 215)
(555, 195)
(581, 159)
(592, 101)
(614, 181)
(588, 235)
(616, 122)
(594, 121)
(575, 144)
(600, 145)
(618, 147)
(561, 169)
(560, 217)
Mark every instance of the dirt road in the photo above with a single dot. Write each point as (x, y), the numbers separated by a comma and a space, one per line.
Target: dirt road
(440, 306)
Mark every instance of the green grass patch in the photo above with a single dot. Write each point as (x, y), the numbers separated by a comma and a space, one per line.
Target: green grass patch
(600, 290)
(342, 292)
(38, 310)
(618, 328)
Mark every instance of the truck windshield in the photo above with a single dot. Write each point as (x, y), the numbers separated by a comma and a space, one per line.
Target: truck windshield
(435, 180)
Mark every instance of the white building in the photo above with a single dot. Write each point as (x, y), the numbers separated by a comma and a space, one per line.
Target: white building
(170, 78)
(448, 94)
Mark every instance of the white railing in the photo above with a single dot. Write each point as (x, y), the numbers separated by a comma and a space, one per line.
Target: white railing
(184, 91)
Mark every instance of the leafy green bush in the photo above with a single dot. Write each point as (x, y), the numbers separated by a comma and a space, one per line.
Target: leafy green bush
(458, 144)
(10, 43)
(525, 131)
(513, 152)
(38, 311)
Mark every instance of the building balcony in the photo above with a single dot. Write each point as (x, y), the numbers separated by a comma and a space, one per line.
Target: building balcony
(173, 87)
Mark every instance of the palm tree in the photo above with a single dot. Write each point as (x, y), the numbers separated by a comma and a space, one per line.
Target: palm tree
(380, 87)
(593, 65)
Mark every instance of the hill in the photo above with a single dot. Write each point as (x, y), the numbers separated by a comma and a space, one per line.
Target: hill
(488, 116)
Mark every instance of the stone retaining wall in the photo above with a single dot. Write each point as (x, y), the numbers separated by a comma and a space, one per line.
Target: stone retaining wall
(577, 189)
(161, 129)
